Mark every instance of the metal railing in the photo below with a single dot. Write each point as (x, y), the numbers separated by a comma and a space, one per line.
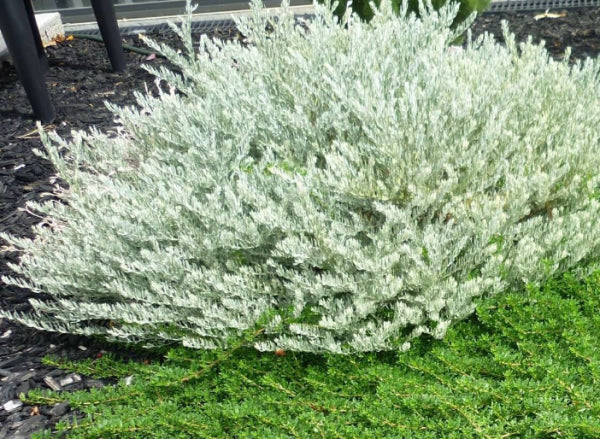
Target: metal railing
(540, 5)
(77, 11)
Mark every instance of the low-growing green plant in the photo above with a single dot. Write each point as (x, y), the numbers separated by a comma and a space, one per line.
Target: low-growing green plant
(526, 365)
(340, 186)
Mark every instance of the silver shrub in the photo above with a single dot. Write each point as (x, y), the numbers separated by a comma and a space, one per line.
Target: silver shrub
(347, 186)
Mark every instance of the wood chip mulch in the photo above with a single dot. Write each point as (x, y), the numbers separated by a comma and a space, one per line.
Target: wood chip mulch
(79, 81)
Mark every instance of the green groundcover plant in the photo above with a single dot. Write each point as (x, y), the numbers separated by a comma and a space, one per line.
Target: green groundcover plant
(526, 365)
(337, 187)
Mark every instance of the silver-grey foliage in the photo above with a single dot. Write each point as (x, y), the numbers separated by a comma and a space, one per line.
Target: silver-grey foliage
(357, 184)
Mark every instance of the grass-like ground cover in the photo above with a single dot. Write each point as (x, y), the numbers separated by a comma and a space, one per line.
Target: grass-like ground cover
(526, 365)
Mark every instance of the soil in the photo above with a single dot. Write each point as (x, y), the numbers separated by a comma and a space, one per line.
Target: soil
(79, 81)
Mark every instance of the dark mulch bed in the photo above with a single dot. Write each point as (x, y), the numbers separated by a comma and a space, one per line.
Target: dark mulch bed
(79, 81)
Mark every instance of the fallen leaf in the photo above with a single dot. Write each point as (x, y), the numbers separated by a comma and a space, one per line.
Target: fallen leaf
(33, 134)
(550, 15)
(58, 39)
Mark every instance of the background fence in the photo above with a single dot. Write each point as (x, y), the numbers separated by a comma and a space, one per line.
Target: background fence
(74, 11)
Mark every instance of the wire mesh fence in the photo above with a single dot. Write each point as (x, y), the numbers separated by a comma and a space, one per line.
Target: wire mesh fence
(542, 5)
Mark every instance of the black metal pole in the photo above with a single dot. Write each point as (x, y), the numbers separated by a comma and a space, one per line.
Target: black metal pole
(20, 41)
(104, 10)
(36, 35)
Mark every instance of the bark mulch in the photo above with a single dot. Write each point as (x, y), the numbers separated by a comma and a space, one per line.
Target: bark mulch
(80, 80)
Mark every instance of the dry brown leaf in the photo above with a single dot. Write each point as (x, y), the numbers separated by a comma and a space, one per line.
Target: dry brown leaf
(33, 134)
(550, 15)
(58, 39)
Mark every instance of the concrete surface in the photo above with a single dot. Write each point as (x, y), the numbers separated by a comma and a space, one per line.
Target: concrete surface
(50, 25)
